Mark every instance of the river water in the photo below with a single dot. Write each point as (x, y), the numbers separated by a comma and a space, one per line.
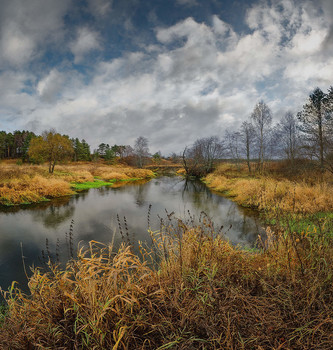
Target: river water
(25, 229)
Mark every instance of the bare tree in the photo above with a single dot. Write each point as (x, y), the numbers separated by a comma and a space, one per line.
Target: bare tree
(262, 120)
(127, 151)
(199, 159)
(174, 157)
(248, 136)
(289, 136)
(141, 150)
(233, 142)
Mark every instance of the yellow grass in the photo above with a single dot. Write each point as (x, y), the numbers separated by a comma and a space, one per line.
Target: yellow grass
(33, 189)
(120, 172)
(270, 193)
(202, 294)
(33, 183)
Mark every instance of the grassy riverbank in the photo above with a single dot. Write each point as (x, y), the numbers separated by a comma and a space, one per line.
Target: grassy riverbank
(272, 194)
(303, 204)
(25, 183)
(192, 291)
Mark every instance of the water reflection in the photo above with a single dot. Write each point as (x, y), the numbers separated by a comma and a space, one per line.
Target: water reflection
(95, 218)
(54, 215)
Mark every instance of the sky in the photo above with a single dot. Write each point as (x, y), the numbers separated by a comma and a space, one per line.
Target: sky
(172, 71)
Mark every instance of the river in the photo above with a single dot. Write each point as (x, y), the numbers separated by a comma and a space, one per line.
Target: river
(93, 213)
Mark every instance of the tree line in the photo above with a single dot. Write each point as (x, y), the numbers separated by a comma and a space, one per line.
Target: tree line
(16, 145)
(52, 147)
(306, 135)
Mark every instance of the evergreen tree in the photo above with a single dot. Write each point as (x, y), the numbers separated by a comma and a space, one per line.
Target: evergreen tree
(314, 124)
(85, 151)
(3, 147)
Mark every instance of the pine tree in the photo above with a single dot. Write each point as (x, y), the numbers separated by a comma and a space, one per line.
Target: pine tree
(314, 125)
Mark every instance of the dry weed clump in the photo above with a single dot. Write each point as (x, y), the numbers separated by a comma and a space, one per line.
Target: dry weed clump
(193, 290)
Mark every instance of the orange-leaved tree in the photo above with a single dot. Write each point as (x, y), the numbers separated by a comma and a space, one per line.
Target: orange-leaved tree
(51, 147)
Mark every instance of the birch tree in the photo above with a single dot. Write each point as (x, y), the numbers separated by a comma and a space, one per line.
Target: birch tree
(262, 120)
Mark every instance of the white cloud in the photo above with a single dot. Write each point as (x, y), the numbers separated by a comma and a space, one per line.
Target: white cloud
(86, 41)
(197, 80)
(16, 47)
(27, 27)
(50, 86)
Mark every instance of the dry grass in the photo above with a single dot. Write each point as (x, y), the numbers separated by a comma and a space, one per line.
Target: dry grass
(270, 193)
(32, 189)
(32, 183)
(120, 173)
(202, 294)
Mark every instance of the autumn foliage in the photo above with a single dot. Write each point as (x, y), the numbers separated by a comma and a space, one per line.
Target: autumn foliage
(51, 147)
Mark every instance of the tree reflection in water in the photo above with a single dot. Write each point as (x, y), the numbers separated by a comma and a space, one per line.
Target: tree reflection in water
(95, 215)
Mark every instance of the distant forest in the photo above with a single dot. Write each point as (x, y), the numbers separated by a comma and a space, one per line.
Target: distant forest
(16, 145)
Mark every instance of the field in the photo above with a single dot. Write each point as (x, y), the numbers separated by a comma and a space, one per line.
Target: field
(192, 289)
(21, 184)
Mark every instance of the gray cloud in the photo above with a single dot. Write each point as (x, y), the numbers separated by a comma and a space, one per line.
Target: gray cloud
(328, 13)
(50, 86)
(86, 40)
(100, 8)
(195, 80)
(26, 27)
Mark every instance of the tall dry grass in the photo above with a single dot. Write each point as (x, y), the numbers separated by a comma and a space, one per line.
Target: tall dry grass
(193, 290)
(271, 193)
(33, 183)
(32, 189)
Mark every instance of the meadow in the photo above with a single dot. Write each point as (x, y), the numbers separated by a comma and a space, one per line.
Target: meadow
(27, 183)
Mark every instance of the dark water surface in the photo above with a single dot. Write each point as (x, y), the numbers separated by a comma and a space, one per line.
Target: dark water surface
(94, 213)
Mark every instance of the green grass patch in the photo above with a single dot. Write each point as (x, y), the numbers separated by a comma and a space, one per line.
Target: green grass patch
(132, 179)
(91, 184)
(310, 224)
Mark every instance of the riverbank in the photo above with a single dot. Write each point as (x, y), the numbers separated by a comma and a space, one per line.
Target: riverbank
(269, 193)
(25, 184)
(192, 290)
(304, 204)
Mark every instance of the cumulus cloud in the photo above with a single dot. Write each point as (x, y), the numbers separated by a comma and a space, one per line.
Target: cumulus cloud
(50, 86)
(27, 27)
(195, 80)
(328, 13)
(87, 40)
